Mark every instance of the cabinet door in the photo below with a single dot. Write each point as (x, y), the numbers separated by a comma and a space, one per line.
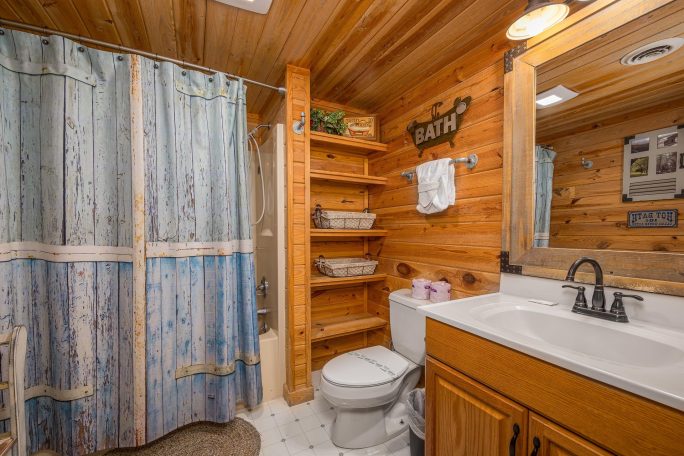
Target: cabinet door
(549, 439)
(465, 418)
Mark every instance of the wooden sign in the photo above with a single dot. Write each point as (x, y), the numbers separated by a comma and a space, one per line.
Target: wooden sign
(666, 218)
(362, 127)
(442, 128)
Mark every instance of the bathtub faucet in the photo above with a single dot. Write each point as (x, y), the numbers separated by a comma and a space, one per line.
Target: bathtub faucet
(261, 314)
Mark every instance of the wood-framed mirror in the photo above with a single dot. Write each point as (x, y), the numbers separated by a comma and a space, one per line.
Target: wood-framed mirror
(596, 144)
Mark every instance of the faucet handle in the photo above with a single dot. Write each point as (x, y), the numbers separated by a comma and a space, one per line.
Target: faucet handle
(618, 309)
(617, 294)
(580, 300)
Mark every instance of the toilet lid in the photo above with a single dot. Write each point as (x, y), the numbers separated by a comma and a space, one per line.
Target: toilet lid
(366, 367)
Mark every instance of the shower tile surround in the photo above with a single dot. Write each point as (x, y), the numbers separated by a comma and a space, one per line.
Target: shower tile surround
(304, 429)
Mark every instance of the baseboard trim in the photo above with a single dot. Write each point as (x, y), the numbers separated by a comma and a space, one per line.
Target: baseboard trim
(298, 396)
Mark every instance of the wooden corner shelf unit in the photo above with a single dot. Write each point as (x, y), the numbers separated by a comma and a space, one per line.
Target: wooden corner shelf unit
(341, 317)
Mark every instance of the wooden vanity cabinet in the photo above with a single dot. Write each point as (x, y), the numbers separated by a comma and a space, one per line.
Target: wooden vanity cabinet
(478, 390)
(467, 418)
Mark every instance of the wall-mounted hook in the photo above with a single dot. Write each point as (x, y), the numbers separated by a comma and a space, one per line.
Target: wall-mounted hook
(408, 175)
(298, 125)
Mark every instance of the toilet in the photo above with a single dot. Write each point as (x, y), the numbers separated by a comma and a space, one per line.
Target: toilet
(368, 387)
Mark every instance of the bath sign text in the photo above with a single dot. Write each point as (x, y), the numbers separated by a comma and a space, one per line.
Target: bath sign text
(441, 128)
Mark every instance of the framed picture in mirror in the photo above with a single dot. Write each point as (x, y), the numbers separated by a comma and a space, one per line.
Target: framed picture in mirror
(650, 168)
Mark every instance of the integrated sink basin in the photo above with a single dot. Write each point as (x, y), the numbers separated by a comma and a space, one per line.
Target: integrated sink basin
(639, 357)
(615, 343)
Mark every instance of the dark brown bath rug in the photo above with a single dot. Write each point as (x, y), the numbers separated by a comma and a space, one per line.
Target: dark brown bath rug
(237, 438)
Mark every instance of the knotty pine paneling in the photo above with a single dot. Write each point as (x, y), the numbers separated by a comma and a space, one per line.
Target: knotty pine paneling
(461, 245)
(587, 209)
(361, 53)
(298, 387)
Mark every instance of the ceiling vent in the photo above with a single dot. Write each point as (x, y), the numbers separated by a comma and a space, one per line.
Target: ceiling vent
(652, 51)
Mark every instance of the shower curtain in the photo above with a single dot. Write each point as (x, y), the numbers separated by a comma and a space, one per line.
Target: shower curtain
(202, 336)
(66, 229)
(543, 195)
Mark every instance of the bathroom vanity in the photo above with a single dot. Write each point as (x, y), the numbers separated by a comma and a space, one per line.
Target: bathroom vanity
(503, 377)
(501, 390)
(509, 376)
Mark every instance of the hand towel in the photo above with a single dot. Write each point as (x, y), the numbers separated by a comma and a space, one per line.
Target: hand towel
(436, 186)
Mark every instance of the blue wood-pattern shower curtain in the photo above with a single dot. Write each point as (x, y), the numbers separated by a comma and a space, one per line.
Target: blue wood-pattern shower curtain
(544, 158)
(66, 244)
(202, 337)
(65, 237)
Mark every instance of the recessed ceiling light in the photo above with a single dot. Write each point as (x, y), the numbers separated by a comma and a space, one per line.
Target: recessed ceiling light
(552, 97)
(257, 6)
(537, 17)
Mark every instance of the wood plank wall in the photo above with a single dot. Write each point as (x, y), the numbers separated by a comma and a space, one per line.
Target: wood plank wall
(298, 387)
(462, 244)
(587, 209)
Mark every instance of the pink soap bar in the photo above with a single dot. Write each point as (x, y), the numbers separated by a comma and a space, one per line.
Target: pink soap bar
(440, 291)
(420, 289)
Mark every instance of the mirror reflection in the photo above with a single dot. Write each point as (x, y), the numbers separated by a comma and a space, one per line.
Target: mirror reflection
(610, 141)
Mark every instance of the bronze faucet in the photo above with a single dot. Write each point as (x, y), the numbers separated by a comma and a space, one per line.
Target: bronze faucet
(598, 300)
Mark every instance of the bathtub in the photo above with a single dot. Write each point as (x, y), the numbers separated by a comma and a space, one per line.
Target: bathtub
(272, 368)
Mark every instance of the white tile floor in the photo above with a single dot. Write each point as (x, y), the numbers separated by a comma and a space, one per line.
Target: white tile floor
(304, 430)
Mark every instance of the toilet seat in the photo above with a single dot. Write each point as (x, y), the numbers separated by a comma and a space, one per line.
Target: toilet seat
(367, 367)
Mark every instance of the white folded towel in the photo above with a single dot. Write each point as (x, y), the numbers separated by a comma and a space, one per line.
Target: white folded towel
(436, 186)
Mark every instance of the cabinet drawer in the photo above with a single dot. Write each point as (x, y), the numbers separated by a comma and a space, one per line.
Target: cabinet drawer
(611, 418)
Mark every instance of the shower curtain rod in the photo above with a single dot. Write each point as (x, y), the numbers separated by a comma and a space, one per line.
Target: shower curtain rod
(120, 48)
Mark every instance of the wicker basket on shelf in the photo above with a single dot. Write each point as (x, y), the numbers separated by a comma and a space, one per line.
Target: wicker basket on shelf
(346, 267)
(342, 220)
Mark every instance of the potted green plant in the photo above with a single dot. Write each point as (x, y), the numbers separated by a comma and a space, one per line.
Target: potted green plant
(328, 122)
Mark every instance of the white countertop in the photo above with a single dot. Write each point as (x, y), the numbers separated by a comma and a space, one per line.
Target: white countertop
(640, 357)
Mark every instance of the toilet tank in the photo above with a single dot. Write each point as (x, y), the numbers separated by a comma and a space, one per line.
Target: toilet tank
(407, 325)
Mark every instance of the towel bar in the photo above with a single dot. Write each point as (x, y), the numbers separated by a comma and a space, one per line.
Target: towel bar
(470, 161)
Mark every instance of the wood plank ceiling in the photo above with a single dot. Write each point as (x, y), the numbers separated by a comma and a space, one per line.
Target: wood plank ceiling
(363, 53)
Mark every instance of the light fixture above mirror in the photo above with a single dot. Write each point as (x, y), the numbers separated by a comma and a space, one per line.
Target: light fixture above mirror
(539, 15)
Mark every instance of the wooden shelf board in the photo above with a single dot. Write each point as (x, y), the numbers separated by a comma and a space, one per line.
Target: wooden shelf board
(351, 144)
(342, 326)
(317, 233)
(347, 178)
(321, 281)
